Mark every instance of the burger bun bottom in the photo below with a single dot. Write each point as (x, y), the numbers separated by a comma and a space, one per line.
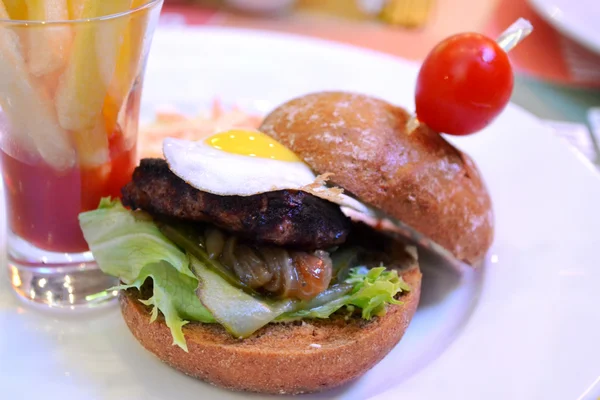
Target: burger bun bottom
(281, 358)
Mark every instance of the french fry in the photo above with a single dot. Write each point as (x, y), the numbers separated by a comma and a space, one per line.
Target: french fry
(48, 82)
(110, 113)
(108, 43)
(76, 8)
(28, 109)
(127, 67)
(49, 46)
(92, 146)
(17, 9)
(83, 86)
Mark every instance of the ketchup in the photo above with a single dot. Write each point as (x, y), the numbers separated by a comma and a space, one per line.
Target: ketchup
(43, 204)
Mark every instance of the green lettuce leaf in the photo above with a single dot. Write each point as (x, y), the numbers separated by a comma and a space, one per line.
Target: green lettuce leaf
(174, 295)
(128, 245)
(372, 290)
(124, 241)
(238, 312)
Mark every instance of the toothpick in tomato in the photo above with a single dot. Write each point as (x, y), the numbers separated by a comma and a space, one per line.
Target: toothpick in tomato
(467, 80)
(463, 84)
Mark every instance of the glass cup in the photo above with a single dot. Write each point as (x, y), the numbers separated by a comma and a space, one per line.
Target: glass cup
(69, 108)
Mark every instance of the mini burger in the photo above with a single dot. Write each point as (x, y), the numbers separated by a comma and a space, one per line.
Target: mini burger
(240, 264)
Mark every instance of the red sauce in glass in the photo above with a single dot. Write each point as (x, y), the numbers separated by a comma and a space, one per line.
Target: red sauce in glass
(43, 204)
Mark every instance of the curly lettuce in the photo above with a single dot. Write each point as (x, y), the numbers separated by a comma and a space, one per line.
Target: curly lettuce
(371, 291)
(129, 245)
(174, 294)
(124, 241)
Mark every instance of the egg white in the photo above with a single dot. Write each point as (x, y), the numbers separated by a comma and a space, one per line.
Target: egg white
(226, 174)
(216, 171)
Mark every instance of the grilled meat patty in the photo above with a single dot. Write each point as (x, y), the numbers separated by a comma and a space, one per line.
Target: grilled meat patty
(285, 217)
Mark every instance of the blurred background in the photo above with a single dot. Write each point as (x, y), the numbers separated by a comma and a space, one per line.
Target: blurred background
(557, 68)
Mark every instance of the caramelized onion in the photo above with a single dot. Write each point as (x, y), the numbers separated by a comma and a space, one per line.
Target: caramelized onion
(289, 278)
(215, 241)
(251, 269)
(314, 273)
(298, 275)
(228, 257)
(275, 258)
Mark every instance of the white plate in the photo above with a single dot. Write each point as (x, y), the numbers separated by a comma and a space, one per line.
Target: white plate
(578, 19)
(525, 327)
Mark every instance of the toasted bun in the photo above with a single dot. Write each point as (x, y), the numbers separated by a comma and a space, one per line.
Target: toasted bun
(418, 178)
(293, 358)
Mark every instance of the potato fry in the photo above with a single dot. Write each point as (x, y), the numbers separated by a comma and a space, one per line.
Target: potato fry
(80, 89)
(110, 113)
(28, 109)
(92, 146)
(48, 82)
(84, 84)
(49, 46)
(138, 3)
(108, 43)
(3, 11)
(127, 66)
(17, 9)
(76, 8)
(83, 87)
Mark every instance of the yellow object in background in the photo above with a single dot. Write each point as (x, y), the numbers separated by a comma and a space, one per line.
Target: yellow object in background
(350, 9)
(407, 13)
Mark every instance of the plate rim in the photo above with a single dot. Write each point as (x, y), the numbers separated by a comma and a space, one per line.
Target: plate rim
(570, 30)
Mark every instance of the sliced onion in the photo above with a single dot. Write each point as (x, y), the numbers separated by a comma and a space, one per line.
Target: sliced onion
(215, 242)
(297, 275)
(228, 256)
(314, 273)
(289, 275)
(253, 267)
(272, 257)
(187, 240)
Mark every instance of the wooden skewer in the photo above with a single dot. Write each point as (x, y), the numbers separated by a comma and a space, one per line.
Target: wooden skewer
(412, 124)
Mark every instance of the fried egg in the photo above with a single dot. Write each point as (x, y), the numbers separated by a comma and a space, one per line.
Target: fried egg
(244, 162)
(236, 162)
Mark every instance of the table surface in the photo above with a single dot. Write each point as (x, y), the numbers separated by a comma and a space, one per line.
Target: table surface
(543, 84)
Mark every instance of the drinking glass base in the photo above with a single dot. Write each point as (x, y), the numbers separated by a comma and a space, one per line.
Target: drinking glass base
(58, 280)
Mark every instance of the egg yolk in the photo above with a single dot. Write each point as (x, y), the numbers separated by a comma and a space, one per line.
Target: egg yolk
(251, 144)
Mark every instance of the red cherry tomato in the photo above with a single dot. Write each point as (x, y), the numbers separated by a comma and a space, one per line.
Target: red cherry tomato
(463, 84)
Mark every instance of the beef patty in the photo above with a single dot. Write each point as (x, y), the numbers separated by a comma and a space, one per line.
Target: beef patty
(285, 217)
